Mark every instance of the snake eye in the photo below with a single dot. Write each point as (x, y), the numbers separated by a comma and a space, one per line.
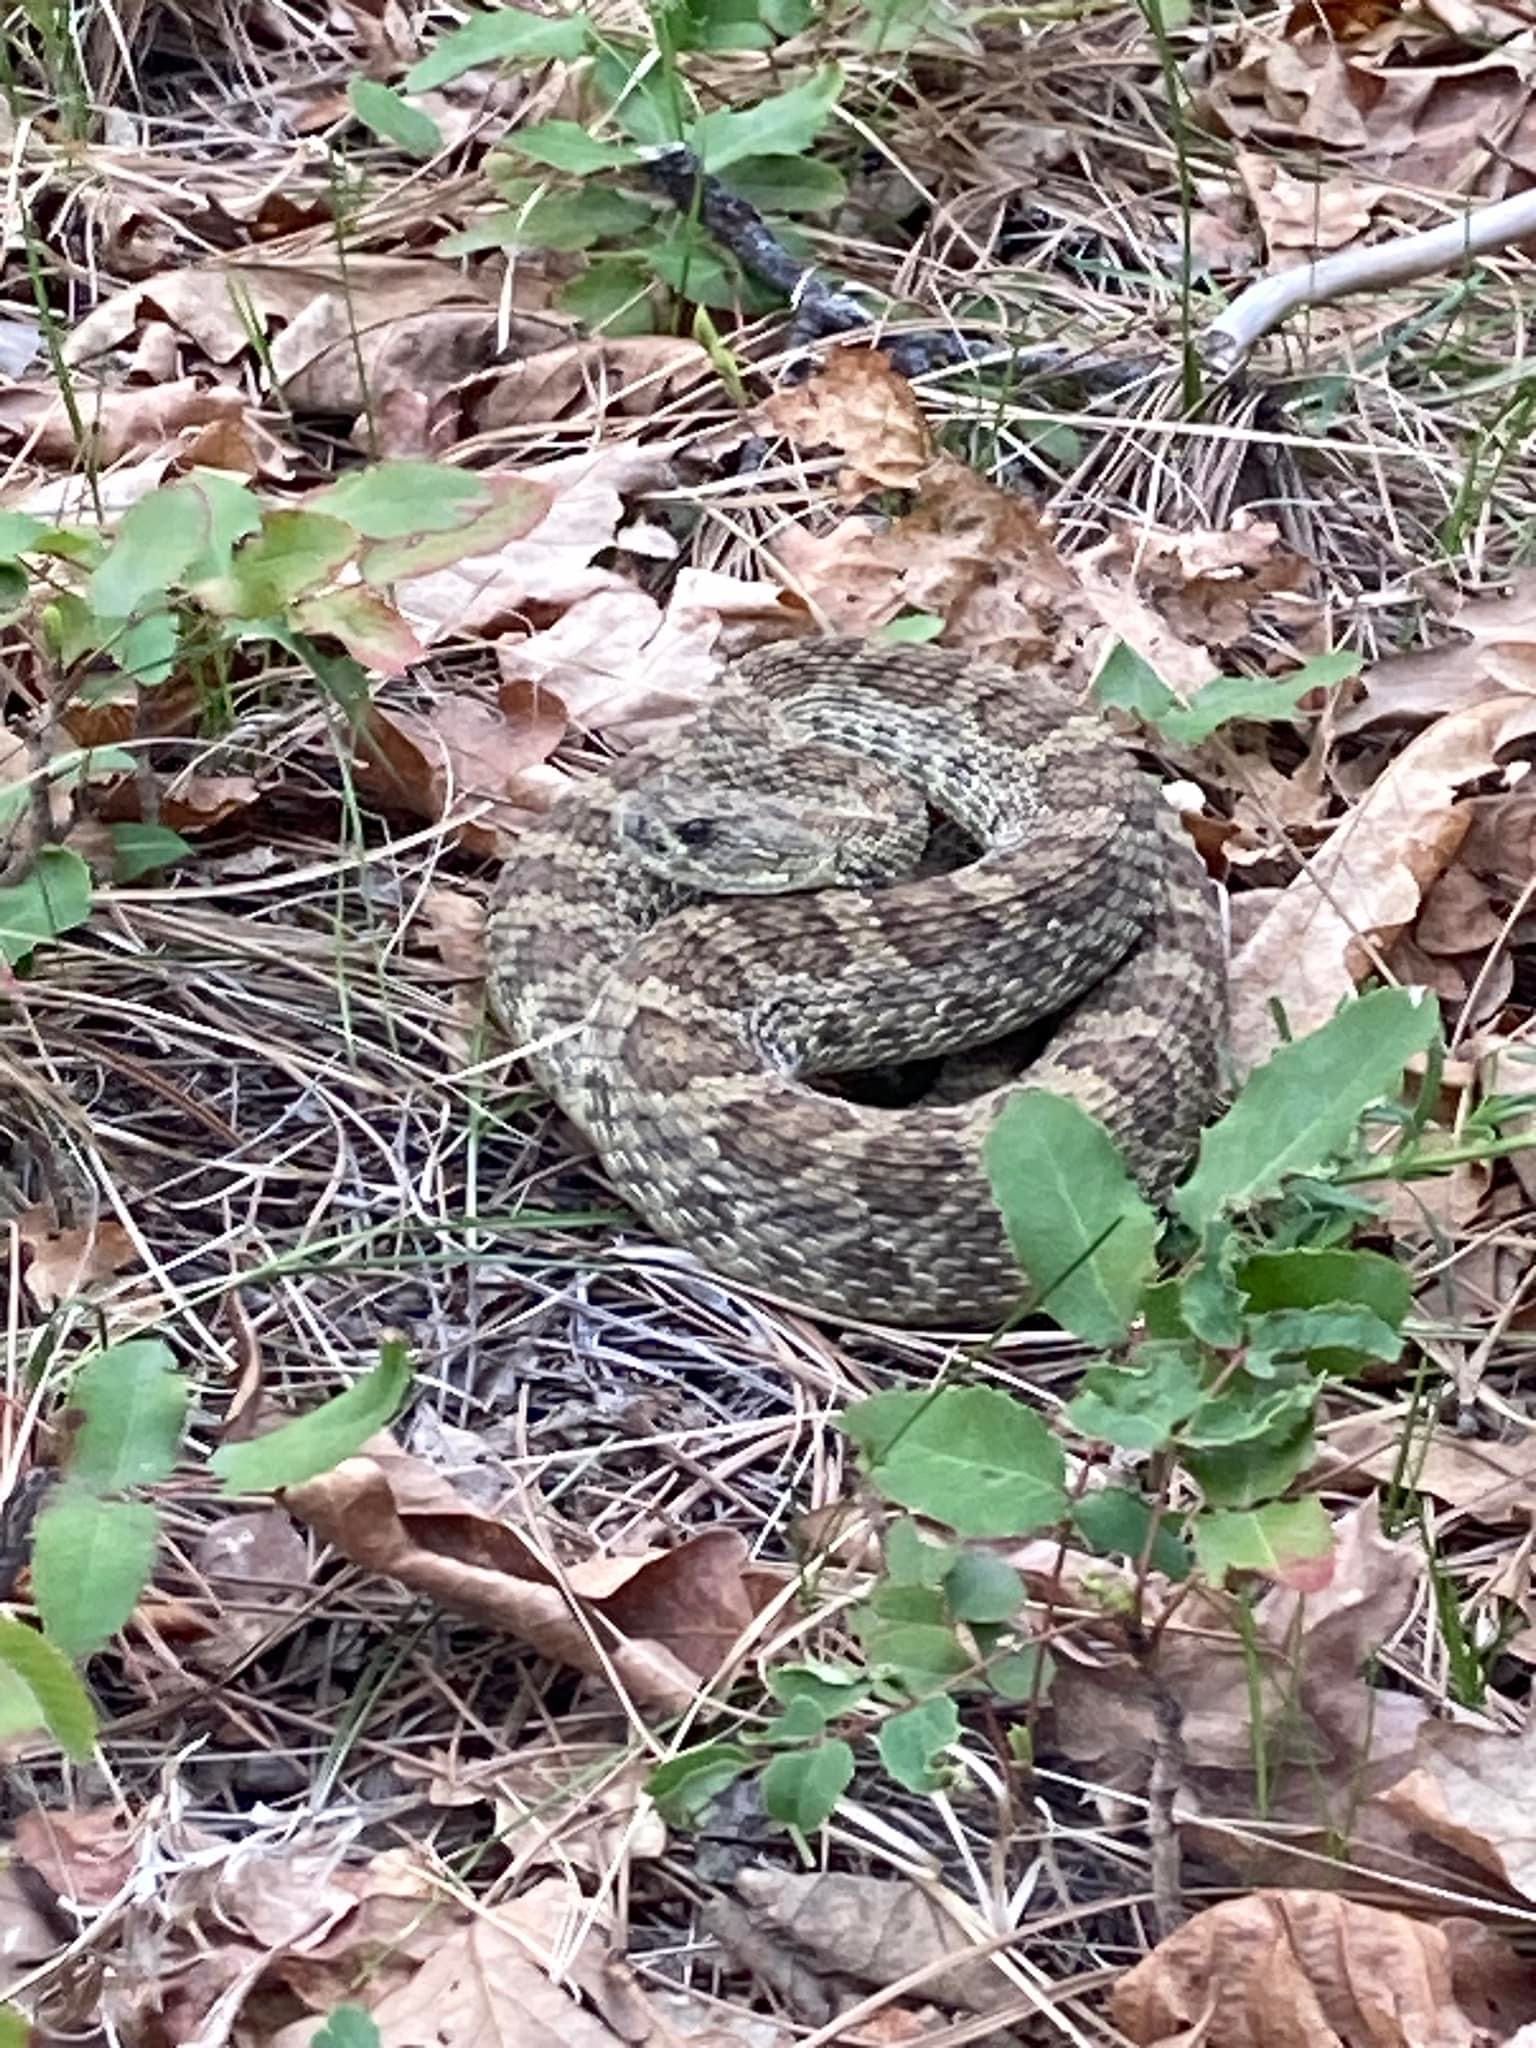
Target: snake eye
(694, 832)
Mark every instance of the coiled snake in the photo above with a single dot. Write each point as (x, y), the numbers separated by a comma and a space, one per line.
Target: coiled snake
(682, 943)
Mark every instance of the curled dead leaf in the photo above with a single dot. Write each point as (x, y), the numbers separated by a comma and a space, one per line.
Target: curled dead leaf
(1302, 1967)
(1364, 886)
(654, 1623)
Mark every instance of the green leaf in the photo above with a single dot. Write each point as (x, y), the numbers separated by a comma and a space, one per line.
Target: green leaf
(391, 500)
(133, 1404)
(611, 296)
(1303, 1104)
(921, 1656)
(647, 101)
(800, 1791)
(979, 1587)
(784, 125)
(1128, 683)
(91, 1560)
(294, 552)
(507, 35)
(913, 629)
(1351, 1334)
(1308, 1278)
(788, 17)
(143, 849)
(1117, 1523)
(1138, 1407)
(891, 1601)
(540, 219)
(1289, 1540)
(54, 897)
(686, 1786)
(911, 1560)
(1022, 1674)
(516, 507)
(568, 146)
(15, 2028)
(365, 625)
(695, 270)
(1244, 1474)
(347, 2026)
(717, 25)
(912, 1742)
(1248, 1411)
(833, 1688)
(1125, 682)
(970, 1457)
(156, 540)
(63, 1703)
(1076, 1220)
(803, 1722)
(1210, 1300)
(788, 184)
(233, 510)
(394, 119)
(1226, 698)
(19, 534)
(313, 1443)
(146, 650)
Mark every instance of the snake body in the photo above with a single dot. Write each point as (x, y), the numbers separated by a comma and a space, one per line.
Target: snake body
(677, 1006)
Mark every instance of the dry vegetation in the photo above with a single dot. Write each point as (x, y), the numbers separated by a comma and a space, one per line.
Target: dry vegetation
(378, 1755)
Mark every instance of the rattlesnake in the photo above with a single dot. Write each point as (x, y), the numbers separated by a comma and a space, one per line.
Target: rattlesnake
(678, 1029)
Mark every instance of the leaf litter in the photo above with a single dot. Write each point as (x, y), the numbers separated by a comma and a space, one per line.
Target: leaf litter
(477, 1671)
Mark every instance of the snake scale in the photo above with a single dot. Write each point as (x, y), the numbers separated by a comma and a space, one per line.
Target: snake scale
(682, 944)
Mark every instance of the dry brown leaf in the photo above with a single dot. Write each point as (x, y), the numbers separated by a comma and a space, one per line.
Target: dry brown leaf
(1464, 126)
(1493, 1482)
(1497, 655)
(84, 1854)
(876, 1930)
(198, 803)
(62, 1263)
(632, 375)
(1305, 214)
(550, 565)
(857, 404)
(1363, 888)
(208, 304)
(118, 423)
(1207, 589)
(463, 755)
(656, 1622)
(621, 666)
(1474, 1791)
(455, 923)
(1298, 1969)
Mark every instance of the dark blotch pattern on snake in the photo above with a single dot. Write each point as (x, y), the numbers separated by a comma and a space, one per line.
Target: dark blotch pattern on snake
(682, 942)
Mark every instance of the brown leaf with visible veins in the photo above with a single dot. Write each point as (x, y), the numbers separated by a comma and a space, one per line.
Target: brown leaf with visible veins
(463, 755)
(657, 1622)
(1298, 1969)
(1474, 1790)
(1363, 888)
(857, 404)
